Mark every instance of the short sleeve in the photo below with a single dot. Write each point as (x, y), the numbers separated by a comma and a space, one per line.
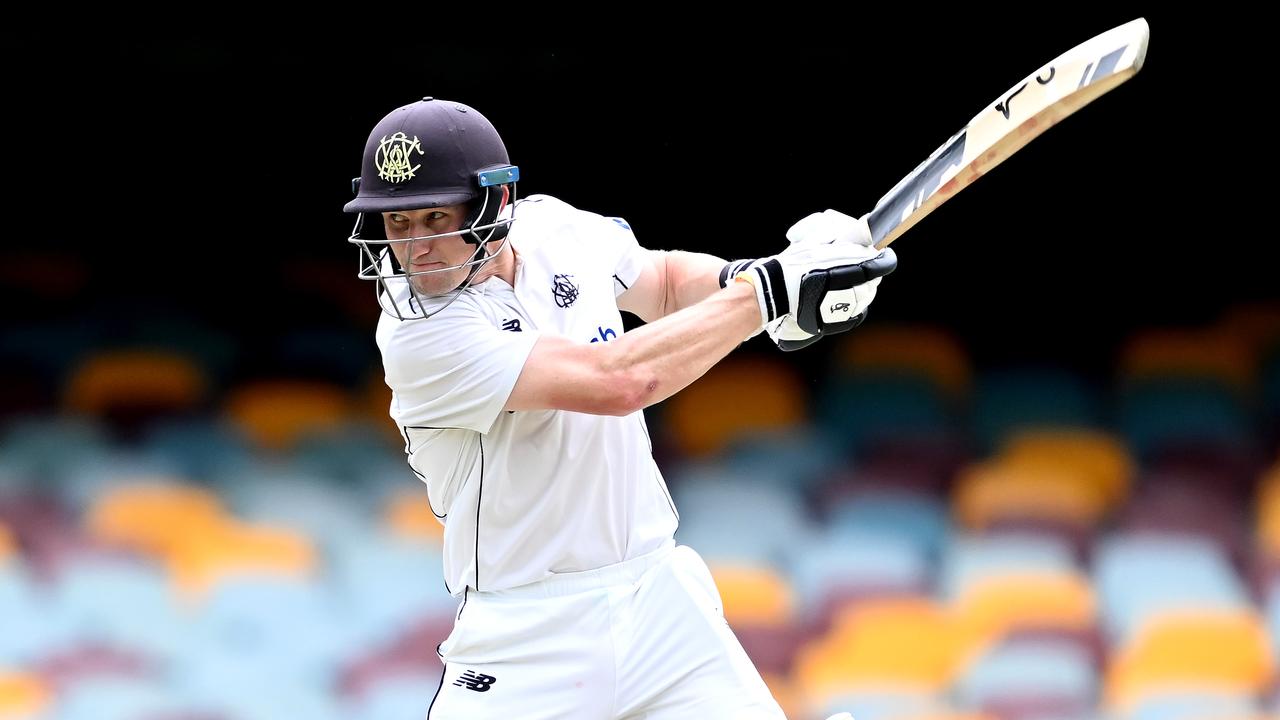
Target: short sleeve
(622, 253)
(454, 370)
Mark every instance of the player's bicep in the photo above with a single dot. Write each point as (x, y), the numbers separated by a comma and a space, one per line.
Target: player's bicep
(646, 297)
(561, 374)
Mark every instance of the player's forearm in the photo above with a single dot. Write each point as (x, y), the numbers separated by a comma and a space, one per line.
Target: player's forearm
(691, 278)
(659, 359)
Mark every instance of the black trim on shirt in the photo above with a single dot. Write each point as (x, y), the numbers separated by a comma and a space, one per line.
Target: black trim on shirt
(657, 477)
(408, 448)
(661, 485)
(466, 593)
(479, 504)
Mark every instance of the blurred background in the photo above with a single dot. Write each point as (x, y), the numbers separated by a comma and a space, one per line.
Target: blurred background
(1041, 482)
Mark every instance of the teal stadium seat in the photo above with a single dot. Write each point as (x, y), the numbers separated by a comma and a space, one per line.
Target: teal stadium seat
(1012, 400)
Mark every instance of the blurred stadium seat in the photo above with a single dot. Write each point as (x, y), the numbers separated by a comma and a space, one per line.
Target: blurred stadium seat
(911, 517)
(408, 514)
(1193, 354)
(117, 602)
(23, 695)
(152, 517)
(275, 414)
(7, 549)
(1221, 651)
(838, 568)
(901, 646)
(1019, 674)
(716, 505)
(991, 492)
(1142, 576)
(928, 352)
(993, 608)
(1100, 456)
(129, 387)
(970, 559)
(199, 562)
(1015, 401)
(707, 416)
(754, 596)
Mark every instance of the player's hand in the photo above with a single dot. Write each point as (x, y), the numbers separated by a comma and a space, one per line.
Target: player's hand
(818, 228)
(824, 280)
(787, 335)
(830, 226)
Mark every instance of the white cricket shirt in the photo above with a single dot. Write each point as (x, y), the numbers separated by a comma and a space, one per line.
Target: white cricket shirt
(525, 495)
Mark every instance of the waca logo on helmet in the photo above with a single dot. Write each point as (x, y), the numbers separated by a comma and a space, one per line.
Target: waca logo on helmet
(393, 157)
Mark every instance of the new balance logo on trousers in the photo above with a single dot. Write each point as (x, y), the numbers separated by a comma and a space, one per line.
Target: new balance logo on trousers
(473, 680)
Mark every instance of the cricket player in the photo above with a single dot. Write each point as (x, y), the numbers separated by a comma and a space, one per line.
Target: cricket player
(519, 397)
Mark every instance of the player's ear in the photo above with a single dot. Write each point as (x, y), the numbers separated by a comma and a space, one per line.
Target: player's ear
(506, 197)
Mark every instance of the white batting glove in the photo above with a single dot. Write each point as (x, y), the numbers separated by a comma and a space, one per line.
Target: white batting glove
(830, 226)
(818, 284)
(826, 227)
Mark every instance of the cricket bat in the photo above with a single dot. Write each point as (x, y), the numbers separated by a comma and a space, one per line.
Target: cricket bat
(1020, 115)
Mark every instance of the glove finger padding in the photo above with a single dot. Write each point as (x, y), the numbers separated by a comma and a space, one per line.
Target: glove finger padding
(830, 299)
(789, 337)
(830, 226)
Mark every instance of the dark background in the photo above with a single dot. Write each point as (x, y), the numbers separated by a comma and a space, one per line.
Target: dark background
(199, 176)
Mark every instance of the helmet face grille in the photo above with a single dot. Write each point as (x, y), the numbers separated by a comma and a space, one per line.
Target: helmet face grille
(394, 288)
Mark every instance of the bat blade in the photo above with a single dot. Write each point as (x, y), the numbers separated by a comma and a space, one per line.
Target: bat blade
(1020, 115)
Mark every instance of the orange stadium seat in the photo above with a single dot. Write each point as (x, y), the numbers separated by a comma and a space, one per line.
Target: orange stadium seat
(713, 411)
(276, 413)
(1221, 649)
(931, 352)
(1268, 511)
(201, 560)
(1101, 457)
(373, 404)
(1156, 354)
(152, 518)
(784, 692)
(408, 513)
(993, 491)
(23, 695)
(903, 643)
(128, 379)
(8, 546)
(753, 595)
(1257, 325)
(994, 607)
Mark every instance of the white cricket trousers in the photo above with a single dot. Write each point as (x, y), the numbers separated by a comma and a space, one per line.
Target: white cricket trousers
(645, 639)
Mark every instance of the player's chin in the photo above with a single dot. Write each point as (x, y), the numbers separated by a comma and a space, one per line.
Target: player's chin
(436, 283)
